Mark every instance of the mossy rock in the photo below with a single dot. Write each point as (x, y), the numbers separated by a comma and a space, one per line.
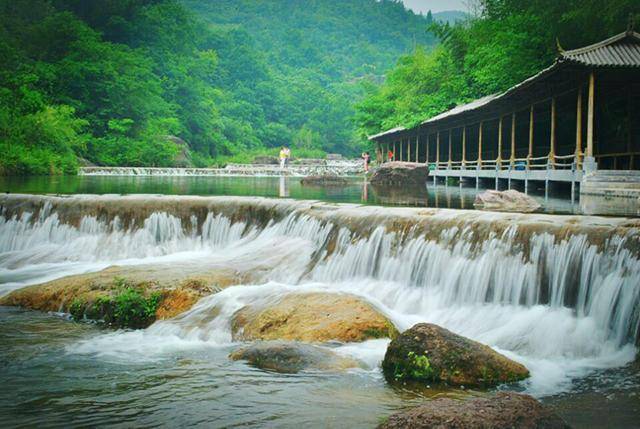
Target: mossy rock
(432, 354)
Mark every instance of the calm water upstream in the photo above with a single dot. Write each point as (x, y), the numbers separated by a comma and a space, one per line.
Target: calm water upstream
(357, 191)
(558, 293)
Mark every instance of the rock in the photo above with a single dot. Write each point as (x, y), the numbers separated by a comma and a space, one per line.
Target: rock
(429, 353)
(510, 200)
(265, 160)
(324, 180)
(183, 158)
(502, 410)
(164, 291)
(311, 317)
(400, 173)
(292, 357)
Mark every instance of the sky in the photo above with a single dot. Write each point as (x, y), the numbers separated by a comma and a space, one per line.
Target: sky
(435, 5)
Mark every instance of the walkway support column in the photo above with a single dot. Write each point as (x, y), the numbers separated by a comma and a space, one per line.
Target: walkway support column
(499, 157)
(464, 146)
(400, 144)
(438, 150)
(512, 158)
(530, 154)
(551, 159)
(450, 149)
(480, 146)
(589, 161)
(427, 154)
(578, 153)
(417, 143)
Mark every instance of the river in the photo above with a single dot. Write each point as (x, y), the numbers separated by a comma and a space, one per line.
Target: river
(557, 293)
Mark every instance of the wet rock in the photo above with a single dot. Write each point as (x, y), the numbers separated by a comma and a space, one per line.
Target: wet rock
(311, 317)
(292, 357)
(502, 410)
(148, 293)
(510, 200)
(324, 180)
(429, 353)
(183, 157)
(400, 173)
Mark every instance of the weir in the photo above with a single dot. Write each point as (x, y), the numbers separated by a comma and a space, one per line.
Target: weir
(301, 169)
(510, 279)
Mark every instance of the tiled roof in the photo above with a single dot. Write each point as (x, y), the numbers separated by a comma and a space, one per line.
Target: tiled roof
(622, 50)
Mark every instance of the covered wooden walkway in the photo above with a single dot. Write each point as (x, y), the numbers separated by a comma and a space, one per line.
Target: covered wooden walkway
(579, 115)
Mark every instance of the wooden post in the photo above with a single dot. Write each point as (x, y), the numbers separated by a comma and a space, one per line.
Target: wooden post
(418, 145)
(480, 146)
(499, 157)
(512, 158)
(450, 149)
(427, 154)
(409, 149)
(400, 144)
(438, 150)
(552, 144)
(464, 145)
(578, 153)
(530, 154)
(629, 129)
(590, 115)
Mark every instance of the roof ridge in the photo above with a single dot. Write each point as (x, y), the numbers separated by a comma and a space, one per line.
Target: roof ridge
(603, 43)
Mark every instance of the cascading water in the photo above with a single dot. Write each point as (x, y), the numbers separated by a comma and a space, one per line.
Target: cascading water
(559, 294)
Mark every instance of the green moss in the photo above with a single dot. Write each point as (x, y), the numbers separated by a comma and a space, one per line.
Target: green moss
(415, 367)
(129, 307)
(76, 309)
(133, 310)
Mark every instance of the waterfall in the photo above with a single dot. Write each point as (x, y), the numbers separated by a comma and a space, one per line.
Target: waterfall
(559, 291)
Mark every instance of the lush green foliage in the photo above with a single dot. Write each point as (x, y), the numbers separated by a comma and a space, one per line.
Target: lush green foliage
(507, 42)
(129, 307)
(160, 82)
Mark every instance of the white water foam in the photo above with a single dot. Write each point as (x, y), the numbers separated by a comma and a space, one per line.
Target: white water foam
(563, 308)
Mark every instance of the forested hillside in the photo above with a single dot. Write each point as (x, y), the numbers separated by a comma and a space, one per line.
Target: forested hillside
(155, 82)
(507, 42)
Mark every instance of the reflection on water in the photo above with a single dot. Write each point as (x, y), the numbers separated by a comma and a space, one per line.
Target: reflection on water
(357, 190)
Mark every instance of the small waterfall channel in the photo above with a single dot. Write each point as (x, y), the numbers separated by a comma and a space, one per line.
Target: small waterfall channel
(560, 294)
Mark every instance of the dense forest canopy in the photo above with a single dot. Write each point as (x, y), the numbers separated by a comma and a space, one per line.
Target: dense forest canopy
(195, 82)
(160, 82)
(506, 42)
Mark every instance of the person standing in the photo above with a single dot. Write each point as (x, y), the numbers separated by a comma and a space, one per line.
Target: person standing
(287, 156)
(366, 158)
(390, 155)
(282, 156)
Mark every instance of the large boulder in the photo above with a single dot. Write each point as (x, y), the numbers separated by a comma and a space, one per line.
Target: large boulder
(502, 410)
(311, 317)
(292, 357)
(400, 173)
(511, 200)
(432, 354)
